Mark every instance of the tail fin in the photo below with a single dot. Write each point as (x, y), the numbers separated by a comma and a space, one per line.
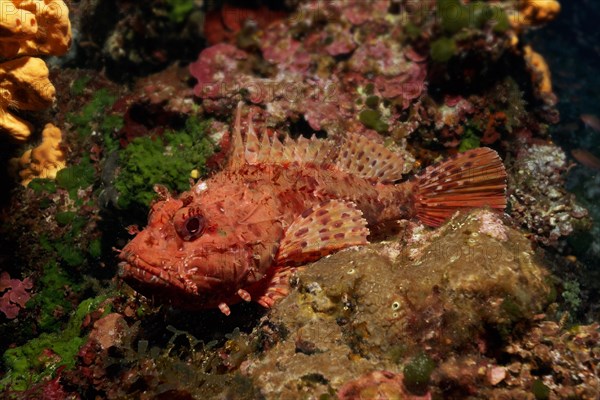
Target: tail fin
(475, 178)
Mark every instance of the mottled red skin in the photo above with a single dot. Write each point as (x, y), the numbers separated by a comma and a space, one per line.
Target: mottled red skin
(246, 212)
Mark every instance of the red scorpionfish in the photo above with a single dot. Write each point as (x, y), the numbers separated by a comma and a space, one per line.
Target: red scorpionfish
(238, 235)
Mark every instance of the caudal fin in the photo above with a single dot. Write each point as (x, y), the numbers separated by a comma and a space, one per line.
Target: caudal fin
(475, 178)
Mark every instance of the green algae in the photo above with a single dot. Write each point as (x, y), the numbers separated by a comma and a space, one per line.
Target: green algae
(480, 12)
(417, 373)
(110, 123)
(501, 22)
(94, 116)
(70, 255)
(65, 217)
(179, 9)
(412, 30)
(442, 49)
(78, 86)
(95, 248)
(469, 140)
(72, 248)
(454, 16)
(50, 299)
(92, 111)
(76, 177)
(372, 102)
(41, 185)
(511, 309)
(167, 160)
(372, 119)
(39, 358)
(540, 390)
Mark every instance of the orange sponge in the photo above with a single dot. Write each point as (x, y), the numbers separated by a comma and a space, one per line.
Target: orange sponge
(540, 70)
(45, 160)
(24, 85)
(534, 12)
(34, 27)
(28, 28)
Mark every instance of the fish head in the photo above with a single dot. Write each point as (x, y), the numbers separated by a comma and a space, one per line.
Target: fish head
(200, 248)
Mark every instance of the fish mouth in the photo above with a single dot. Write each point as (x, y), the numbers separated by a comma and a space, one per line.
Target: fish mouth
(136, 270)
(162, 285)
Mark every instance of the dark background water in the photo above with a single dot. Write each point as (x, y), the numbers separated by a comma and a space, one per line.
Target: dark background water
(571, 46)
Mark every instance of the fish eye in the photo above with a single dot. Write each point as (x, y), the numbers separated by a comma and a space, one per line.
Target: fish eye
(193, 225)
(189, 223)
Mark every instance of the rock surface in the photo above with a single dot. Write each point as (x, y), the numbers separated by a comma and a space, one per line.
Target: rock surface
(370, 308)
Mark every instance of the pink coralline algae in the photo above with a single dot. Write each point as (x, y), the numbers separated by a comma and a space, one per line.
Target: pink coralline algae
(342, 44)
(296, 72)
(285, 52)
(15, 296)
(492, 225)
(216, 65)
(357, 12)
(382, 385)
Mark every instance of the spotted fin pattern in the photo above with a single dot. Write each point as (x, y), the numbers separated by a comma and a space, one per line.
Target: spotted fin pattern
(322, 230)
(361, 157)
(475, 178)
(356, 155)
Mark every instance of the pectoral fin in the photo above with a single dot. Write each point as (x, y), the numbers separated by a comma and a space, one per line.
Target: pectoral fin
(321, 230)
(278, 288)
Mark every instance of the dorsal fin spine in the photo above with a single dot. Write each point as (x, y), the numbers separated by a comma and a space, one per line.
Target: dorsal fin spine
(355, 155)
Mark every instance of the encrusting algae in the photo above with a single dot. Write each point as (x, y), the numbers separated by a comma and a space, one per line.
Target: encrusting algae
(278, 205)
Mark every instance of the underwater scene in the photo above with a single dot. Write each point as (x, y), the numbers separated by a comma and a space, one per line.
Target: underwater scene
(299, 199)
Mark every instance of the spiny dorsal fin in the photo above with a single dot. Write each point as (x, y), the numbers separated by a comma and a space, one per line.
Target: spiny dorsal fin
(266, 150)
(252, 147)
(475, 178)
(356, 154)
(237, 158)
(362, 157)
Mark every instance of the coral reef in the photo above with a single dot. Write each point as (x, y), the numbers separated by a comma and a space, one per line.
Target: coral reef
(45, 160)
(469, 310)
(29, 28)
